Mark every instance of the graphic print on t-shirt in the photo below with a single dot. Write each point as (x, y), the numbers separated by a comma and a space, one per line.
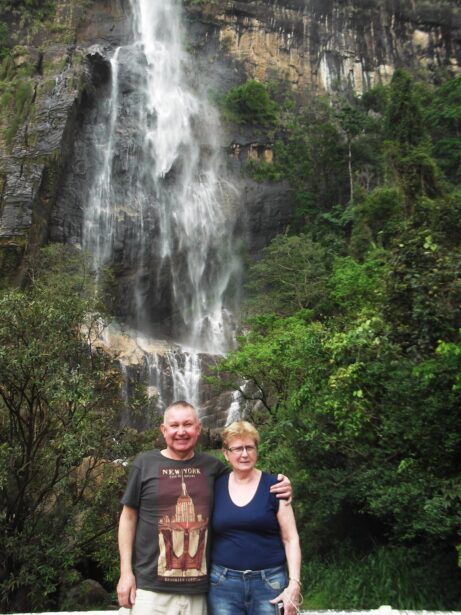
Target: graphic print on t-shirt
(183, 524)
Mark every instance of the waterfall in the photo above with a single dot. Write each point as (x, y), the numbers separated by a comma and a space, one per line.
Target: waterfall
(234, 412)
(98, 229)
(159, 211)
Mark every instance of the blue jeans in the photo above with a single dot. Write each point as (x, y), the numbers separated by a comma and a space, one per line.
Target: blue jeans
(244, 592)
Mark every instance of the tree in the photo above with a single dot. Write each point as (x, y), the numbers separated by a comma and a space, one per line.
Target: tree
(291, 275)
(362, 407)
(423, 287)
(59, 429)
(377, 219)
(443, 119)
(311, 156)
(408, 149)
(352, 123)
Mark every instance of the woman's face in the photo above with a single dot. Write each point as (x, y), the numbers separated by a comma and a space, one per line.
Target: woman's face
(241, 453)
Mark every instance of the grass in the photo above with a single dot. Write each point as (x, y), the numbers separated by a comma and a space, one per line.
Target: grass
(401, 577)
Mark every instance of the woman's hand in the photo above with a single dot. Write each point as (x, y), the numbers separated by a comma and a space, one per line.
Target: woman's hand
(290, 598)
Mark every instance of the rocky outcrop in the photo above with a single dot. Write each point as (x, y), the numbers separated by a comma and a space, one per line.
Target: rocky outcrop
(166, 372)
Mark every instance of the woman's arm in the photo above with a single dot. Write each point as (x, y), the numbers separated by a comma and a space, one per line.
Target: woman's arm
(290, 595)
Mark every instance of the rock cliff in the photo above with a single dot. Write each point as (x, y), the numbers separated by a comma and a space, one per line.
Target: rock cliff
(333, 44)
(316, 44)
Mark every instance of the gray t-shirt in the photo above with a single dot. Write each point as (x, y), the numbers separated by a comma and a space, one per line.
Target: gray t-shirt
(174, 500)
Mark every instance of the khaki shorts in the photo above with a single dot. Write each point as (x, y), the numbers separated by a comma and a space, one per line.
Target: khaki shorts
(158, 603)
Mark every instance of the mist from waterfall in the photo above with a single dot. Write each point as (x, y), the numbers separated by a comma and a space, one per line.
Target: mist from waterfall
(160, 212)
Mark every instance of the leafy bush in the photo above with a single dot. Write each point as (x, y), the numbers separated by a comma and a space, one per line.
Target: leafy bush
(250, 103)
(263, 171)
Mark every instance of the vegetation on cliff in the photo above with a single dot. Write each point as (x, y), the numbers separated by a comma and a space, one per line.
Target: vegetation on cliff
(250, 103)
(353, 345)
(24, 14)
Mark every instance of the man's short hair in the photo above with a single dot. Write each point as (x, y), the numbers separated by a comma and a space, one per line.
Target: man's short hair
(180, 403)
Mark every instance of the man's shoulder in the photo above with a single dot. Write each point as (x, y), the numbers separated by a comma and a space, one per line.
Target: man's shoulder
(210, 461)
(146, 457)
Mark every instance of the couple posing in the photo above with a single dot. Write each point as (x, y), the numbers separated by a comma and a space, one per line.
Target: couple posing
(174, 499)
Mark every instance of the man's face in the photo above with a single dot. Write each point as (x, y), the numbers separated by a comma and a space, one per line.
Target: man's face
(181, 430)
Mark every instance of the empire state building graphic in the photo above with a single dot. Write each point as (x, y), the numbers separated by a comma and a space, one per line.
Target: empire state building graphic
(182, 539)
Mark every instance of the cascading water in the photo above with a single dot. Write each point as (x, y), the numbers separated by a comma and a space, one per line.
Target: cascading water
(160, 212)
(98, 230)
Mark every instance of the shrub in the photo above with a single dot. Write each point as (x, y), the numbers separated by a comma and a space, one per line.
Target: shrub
(250, 103)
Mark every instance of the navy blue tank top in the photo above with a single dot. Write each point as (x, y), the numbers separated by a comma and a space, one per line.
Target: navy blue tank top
(246, 537)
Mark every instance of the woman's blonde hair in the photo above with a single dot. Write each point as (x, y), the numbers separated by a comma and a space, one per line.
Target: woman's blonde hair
(239, 429)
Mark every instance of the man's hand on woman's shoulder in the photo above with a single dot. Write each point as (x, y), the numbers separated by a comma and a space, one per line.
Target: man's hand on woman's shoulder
(283, 489)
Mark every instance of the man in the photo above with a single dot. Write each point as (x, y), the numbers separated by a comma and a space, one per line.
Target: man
(163, 531)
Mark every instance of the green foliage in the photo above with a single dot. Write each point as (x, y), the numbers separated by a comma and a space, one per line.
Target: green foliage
(16, 85)
(3, 40)
(263, 171)
(376, 99)
(334, 153)
(401, 577)
(291, 275)
(352, 123)
(357, 367)
(59, 433)
(311, 156)
(327, 154)
(38, 9)
(404, 118)
(377, 219)
(443, 119)
(16, 97)
(359, 285)
(424, 290)
(250, 103)
(7, 68)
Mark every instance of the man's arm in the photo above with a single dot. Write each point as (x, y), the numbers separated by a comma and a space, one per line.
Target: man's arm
(283, 488)
(126, 587)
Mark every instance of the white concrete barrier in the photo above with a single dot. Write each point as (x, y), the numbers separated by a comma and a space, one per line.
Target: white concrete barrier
(382, 610)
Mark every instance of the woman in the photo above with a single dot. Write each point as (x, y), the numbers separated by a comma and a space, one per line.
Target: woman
(254, 536)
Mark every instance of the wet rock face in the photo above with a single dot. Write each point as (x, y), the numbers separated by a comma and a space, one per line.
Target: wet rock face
(135, 263)
(331, 44)
(36, 158)
(31, 162)
(164, 371)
